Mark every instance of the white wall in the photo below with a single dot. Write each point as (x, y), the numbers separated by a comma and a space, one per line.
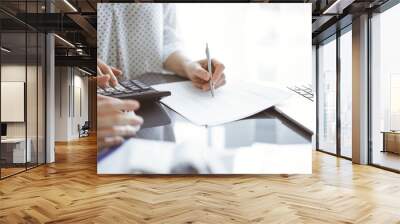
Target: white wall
(69, 85)
(81, 100)
(12, 73)
(33, 126)
(61, 104)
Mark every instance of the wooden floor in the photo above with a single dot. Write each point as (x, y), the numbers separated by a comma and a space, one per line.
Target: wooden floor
(10, 171)
(387, 159)
(70, 191)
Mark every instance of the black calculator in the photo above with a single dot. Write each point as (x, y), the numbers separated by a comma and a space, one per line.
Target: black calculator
(133, 89)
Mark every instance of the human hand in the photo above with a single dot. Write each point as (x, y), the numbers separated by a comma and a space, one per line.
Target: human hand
(113, 125)
(197, 72)
(106, 74)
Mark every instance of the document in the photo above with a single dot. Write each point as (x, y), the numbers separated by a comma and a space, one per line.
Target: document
(232, 102)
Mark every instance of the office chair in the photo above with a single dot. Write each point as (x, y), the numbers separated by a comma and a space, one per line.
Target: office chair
(84, 130)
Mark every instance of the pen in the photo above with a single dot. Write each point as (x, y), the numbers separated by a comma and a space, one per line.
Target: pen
(210, 70)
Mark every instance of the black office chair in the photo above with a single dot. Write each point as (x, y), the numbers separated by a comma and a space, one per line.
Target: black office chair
(84, 130)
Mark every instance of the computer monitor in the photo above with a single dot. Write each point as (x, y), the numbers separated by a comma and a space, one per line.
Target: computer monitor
(3, 129)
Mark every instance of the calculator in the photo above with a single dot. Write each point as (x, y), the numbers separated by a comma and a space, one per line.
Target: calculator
(133, 89)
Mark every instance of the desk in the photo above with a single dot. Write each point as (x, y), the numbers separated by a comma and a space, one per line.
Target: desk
(268, 129)
(13, 150)
(391, 141)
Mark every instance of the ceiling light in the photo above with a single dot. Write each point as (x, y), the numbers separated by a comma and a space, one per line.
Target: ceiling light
(65, 41)
(70, 5)
(79, 51)
(337, 7)
(84, 71)
(5, 50)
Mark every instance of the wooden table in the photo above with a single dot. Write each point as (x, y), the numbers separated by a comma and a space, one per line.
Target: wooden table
(13, 150)
(391, 141)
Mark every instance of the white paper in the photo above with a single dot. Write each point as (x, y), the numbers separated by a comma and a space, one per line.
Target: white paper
(232, 102)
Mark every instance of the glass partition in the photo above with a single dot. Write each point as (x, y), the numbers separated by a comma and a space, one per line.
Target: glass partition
(41, 96)
(13, 88)
(31, 98)
(22, 89)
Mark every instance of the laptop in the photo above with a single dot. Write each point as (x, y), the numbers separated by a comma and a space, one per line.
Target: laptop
(300, 107)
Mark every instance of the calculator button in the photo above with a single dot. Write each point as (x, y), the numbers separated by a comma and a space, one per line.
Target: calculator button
(141, 84)
(116, 92)
(137, 82)
(120, 88)
(134, 88)
(109, 89)
(126, 83)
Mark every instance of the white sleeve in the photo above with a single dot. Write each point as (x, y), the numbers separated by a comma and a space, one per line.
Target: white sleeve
(171, 40)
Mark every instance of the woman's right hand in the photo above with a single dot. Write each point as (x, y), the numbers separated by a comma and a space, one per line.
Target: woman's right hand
(106, 75)
(113, 125)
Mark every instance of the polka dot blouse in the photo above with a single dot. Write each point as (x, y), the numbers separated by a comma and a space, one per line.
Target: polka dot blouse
(136, 38)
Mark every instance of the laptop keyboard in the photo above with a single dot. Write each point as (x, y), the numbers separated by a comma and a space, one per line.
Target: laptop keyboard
(304, 91)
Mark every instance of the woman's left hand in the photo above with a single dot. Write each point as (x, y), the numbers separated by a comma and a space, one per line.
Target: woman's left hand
(197, 72)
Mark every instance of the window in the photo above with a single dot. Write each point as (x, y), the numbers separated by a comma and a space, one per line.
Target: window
(385, 89)
(346, 93)
(327, 96)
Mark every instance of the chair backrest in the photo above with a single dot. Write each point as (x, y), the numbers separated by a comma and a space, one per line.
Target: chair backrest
(86, 125)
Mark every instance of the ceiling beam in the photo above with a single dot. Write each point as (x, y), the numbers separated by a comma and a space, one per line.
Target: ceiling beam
(337, 6)
(321, 20)
(89, 30)
(77, 61)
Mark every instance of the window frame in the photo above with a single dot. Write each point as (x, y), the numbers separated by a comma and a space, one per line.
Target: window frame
(334, 37)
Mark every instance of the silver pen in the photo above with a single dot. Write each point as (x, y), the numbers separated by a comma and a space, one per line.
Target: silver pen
(210, 70)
